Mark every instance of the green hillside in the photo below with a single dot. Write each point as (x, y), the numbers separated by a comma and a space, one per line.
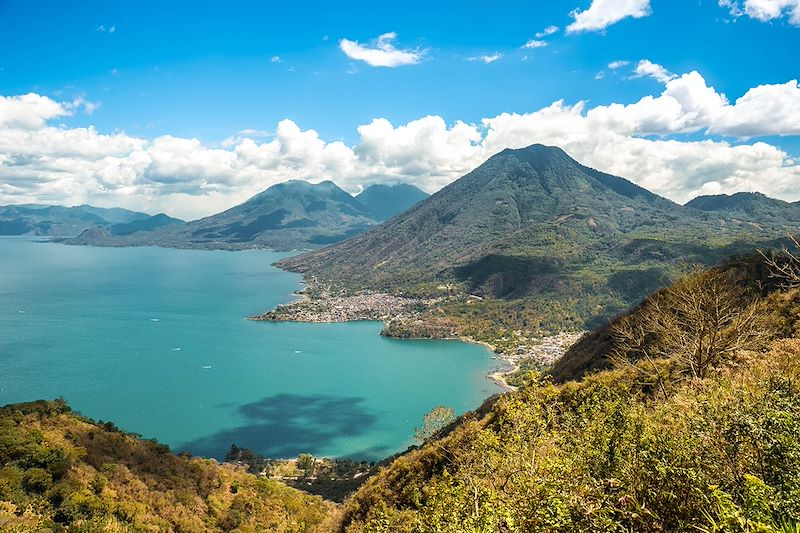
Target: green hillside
(751, 206)
(62, 472)
(672, 437)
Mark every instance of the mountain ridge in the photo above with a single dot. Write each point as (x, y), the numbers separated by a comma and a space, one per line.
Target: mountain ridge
(552, 242)
(294, 214)
(60, 221)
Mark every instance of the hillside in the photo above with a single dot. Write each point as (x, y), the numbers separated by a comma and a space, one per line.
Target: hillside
(591, 352)
(753, 207)
(146, 224)
(290, 215)
(57, 221)
(549, 244)
(383, 202)
(61, 472)
(671, 438)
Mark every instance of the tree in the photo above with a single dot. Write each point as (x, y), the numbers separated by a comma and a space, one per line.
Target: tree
(434, 421)
(699, 322)
(305, 462)
(785, 266)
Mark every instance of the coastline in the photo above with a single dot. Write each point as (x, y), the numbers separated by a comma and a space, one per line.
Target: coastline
(392, 310)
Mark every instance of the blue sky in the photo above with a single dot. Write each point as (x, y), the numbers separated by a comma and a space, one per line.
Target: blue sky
(207, 70)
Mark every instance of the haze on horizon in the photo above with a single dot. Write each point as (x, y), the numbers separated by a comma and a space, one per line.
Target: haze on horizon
(191, 109)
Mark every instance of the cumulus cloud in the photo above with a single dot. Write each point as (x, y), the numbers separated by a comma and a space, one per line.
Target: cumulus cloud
(381, 53)
(487, 58)
(614, 65)
(29, 111)
(603, 13)
(765, 10)
(41, 161)
(647, 69)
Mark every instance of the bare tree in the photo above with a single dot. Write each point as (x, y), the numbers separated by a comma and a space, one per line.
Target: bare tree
(785, 266)
(699, 322)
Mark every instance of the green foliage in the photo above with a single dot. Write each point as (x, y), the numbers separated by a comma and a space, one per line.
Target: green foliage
(59, 472)
(649, 446)
(305, 462)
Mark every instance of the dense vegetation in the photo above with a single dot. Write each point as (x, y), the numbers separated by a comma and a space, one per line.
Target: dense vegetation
(695, 426)
(549, 244)
(333, 479)
(61, 472)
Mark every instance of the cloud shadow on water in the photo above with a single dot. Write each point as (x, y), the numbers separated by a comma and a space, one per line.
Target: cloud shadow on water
(286, 425)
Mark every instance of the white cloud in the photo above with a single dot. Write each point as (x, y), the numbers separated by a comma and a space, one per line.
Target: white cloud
(275, 59)
(381, 53)
(533, 43)
(88, 106)
(487, 58)
(765, 10)
(646, 68)
(604, 13)
(614, 65)
(28, 111)
(43, 162)
(103, 29)
(550, 30)
(763, 110)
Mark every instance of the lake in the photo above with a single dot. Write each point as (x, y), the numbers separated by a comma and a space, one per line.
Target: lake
(157, 341)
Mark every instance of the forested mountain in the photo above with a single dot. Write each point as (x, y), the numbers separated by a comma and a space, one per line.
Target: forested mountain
(550, 241)
(753, 207)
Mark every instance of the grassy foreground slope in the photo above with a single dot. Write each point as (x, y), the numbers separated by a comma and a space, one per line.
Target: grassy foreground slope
(673, 437)
(61, 472)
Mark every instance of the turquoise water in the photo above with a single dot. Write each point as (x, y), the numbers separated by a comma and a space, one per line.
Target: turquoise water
(157, 341)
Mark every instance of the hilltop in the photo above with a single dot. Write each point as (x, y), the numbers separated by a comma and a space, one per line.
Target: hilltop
(750, 206)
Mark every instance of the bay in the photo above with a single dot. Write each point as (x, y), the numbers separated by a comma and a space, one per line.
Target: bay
(157, 341)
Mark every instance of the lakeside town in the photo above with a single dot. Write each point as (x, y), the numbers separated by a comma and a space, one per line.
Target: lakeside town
(403, 318)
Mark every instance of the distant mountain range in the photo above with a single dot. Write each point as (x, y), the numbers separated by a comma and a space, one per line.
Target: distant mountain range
(385, 201)
(564, 245)
(53, 220)
(290, 215)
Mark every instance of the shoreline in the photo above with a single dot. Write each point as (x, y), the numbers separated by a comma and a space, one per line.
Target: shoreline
(388, 309)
